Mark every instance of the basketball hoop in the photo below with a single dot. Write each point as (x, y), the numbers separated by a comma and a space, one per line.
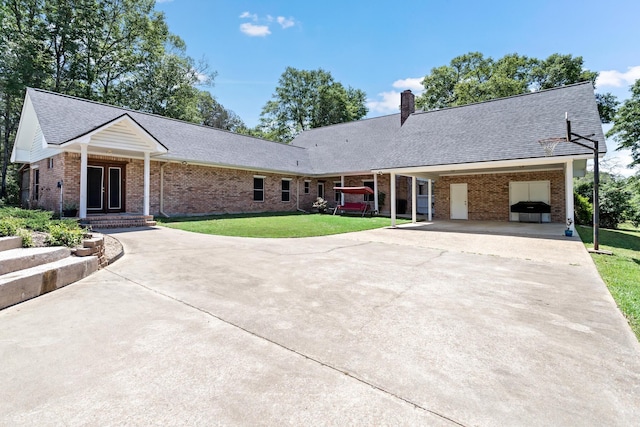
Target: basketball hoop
(549, 144)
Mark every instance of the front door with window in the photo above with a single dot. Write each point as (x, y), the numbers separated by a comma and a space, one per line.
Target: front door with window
(105, 188)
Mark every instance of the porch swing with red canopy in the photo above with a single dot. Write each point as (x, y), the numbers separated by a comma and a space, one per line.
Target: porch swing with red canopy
(358, 207)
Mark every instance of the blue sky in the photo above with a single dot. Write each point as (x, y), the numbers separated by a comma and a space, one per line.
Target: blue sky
(384, 47)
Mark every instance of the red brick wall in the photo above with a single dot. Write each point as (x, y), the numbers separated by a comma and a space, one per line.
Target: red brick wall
(49, 193)
(488, 195)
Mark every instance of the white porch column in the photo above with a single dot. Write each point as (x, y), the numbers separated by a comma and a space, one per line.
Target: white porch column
(429, 200)
(83, 180)
(147, 173)
(568, 189)
(341, 193)
(414, 200)
(392, 179)
(375, 193)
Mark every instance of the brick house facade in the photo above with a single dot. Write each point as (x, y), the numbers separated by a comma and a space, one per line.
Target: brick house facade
(110, 159)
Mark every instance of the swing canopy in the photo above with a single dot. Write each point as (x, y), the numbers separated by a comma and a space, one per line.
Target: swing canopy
(354, 190)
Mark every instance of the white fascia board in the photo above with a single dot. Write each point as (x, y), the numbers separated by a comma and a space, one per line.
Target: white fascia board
(498, 164)
(26, 132)
(154, 146)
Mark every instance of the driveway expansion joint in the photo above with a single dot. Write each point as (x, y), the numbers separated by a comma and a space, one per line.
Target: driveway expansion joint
(296, 352)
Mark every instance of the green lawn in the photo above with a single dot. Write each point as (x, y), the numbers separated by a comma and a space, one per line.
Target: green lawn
(276, 225)
(621, 272)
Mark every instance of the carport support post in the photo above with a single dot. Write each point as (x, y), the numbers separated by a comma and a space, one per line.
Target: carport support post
(83, 181)
(568, 188)
(341, 193)
(147, 172)
(429, 200)
(375, 193)
(414, 199)
(392, 183)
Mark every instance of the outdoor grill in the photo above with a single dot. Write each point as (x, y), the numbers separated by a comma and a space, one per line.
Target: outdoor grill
(530, 211)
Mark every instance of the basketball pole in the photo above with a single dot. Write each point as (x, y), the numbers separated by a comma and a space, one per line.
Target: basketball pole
(575, 138)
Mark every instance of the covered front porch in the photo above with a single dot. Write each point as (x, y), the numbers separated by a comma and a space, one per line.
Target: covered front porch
(105, 179)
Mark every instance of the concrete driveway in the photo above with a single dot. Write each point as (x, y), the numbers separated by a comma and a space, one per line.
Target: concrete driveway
(408, 326)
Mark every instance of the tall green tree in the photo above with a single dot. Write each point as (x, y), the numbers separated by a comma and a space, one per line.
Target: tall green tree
(214, 114)
(306, 99)
(626, 125)
(472, 77)
(115, 51)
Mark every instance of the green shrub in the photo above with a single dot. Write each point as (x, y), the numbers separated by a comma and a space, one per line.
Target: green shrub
(583, 209)
(36, 220)
(61, 234)
(9, 226)
(27, 240)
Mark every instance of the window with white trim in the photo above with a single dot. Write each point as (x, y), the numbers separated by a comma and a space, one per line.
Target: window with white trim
(307, 187)
(321, 189)
(286, 190)
(36, 183)
(337, 196)
(258, 189)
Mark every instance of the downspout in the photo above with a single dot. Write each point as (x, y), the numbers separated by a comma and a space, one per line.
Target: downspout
(162, 190)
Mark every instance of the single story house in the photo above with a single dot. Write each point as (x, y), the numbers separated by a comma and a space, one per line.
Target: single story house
(469, 162)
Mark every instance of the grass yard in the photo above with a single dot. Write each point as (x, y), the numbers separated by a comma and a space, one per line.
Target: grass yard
(274, 225)
(621, 272)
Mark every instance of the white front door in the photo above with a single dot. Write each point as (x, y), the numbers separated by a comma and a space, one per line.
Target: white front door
(459, 208)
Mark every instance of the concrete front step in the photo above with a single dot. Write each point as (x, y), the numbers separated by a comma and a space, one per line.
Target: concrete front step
(11, 242)
(29, 283)
(19, 259)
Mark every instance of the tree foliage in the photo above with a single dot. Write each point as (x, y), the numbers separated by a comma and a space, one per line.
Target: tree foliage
(306, 99)
(619, 200)
(626, 127)
(115, 51)
(472, 77)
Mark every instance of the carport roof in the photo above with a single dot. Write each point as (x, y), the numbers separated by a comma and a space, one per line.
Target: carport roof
(496, 130)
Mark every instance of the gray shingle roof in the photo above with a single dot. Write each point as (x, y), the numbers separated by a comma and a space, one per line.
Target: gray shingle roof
(349, 147)
(63, 118)
(502, 129)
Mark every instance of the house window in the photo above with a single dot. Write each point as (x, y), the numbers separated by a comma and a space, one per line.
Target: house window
(321, 189)
(369, 197)
(286, 190)
(36, 183)
(258, 189)
(50, 163)
(337, 196)
(307, 184)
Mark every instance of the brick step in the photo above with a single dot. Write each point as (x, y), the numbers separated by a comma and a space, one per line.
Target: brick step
(21, 258)
(28, 283)
(11, 242)
(119, 221)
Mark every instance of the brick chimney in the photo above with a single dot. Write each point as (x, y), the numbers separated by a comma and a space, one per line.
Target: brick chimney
(407, 105)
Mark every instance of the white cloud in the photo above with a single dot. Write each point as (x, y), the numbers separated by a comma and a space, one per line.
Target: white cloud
(286, 23)
(164, 1)
(618, 79)
(247, 15)
(255, 30)
(387, 103)
(415, 84)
